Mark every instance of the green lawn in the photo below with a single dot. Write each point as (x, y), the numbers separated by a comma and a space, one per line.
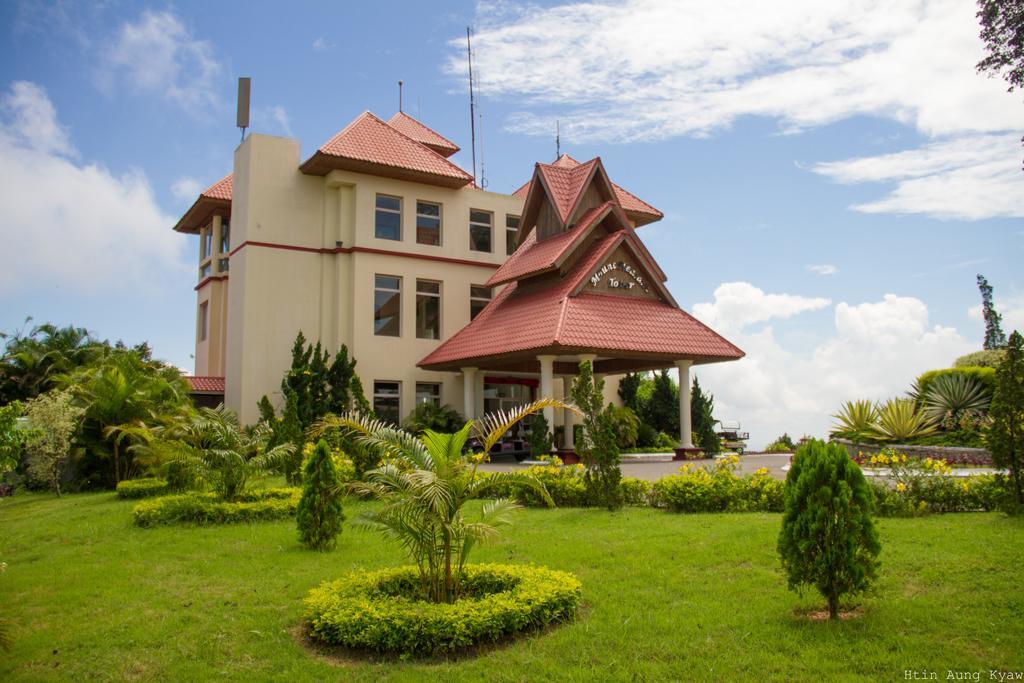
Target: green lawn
(667, 597)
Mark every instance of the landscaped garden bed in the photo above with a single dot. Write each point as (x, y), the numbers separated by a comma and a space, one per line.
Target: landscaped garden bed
(146, 487)
(209, 508)
(386, 611)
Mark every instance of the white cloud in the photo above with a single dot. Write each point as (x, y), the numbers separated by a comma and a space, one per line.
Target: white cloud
(186, 188)
(739, 304)
(874, 351)
(653, 69)
(158, 54)
(823, 269)
(970, 178)
(321, 44)
(71, 224)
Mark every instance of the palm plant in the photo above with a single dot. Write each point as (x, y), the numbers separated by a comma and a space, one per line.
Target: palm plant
(856, 420)
(949, 397)
(424, 483)
(899, 419)
(214, 446)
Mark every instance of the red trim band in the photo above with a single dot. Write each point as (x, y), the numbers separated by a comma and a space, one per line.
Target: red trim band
(210, 278)
(362, 250)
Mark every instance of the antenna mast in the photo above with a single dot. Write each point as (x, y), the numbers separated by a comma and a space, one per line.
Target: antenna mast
(399, 96)
(242, 112)
(472, 101)
(558, 140)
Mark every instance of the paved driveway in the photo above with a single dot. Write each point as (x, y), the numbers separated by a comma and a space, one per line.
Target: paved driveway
(653, 471)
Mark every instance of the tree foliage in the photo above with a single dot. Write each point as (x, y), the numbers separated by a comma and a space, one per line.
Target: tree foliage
(597, 446)
(13, 437)
(661, 408)
(424, 483)
(629, 385)
(828, 538)
(995, 338)
(1002, 30)
(32, 361)
(429, 415)
(54, 420)
(1006, 435)
(539, 436)
(702, 420)
(319, 514)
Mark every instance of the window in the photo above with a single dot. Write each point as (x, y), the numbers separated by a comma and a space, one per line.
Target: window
(428, 309)
(511, 230)
(389, 217)
(225, 237)
(427, 392)
(387, 306)
(222, 265)
(387, 401)
(428, 223)
(480, 230)
(479, 297)
(204, 320)
(205, 270)
(205, 243)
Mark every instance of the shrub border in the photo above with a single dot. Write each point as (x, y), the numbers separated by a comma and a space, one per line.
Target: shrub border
(144, 487)
(352, 612)
(207, 508)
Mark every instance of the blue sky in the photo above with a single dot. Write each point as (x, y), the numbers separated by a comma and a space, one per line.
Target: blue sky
(833, 177)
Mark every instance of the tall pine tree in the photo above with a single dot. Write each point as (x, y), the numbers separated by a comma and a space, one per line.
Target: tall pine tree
(598, 445)
(1006, 435)
(702, 407)
(995, 338)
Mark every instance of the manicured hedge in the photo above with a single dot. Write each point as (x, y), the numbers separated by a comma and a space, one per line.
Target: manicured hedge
(565, 485)
(931, 494)
(146, 487)
(720, 490)
(207, 508)
(381, 610)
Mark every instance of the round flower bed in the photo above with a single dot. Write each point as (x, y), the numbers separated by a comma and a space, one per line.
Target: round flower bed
(382, 610)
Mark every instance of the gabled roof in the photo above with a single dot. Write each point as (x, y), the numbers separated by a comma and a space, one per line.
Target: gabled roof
(638, 211)
(533, 257)
(522, 321)
(404, 123)
(565, 185)
(216, 197)
(369, 145)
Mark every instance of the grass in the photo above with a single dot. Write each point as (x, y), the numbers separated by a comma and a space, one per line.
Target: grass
(667, 597)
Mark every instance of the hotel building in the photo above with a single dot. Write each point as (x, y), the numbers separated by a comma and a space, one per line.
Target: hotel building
(442, 291)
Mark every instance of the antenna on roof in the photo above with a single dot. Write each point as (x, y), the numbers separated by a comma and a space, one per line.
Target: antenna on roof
(472, 101)
(242, 113)
(558, 141)
(399, 97)
(483, 177)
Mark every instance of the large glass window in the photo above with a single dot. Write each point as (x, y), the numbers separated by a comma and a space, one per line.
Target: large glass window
(511, 230)
(428, 223)
(479, 297)
(388, 224)
(428, 309)
(206, 269)
(387, 306)
(222, 265)
(225, 236)
(205, 243)
(428, 392)
(480, 223)
(204, 320)
(387, 401)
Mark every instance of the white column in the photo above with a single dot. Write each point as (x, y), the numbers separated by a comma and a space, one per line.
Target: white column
(479, 406)
(547, 367)
(468, 391)
(567, 415)
(685, 429)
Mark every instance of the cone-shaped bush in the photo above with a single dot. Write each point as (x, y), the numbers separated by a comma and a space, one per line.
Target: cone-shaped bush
(828, 538)
(319, 515)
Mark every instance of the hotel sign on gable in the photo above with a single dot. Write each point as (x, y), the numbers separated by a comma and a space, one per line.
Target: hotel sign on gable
(617, 282)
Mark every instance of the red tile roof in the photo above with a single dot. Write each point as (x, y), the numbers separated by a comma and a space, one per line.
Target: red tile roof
(370, 145)
(566, 185)
(637, 209)
(404, 123)
(220, 189)
(206, 385)
(534, 257)
(533, 319)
